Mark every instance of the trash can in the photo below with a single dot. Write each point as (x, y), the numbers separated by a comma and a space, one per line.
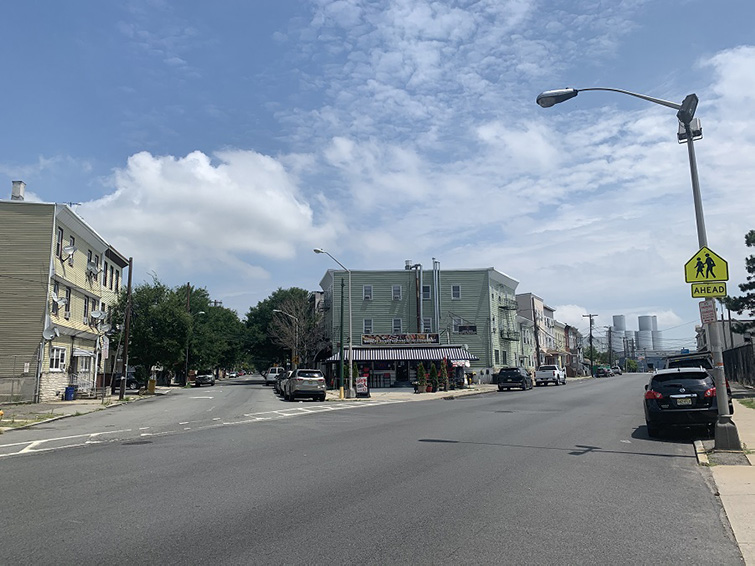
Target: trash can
(70, 393)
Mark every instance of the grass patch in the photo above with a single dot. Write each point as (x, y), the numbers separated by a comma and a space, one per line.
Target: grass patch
(749, 403)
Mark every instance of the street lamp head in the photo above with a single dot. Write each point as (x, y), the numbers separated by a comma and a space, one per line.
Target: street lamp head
(319, 251)
(550, 97)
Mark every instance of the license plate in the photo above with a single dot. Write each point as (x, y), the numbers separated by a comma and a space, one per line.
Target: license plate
(684, 401)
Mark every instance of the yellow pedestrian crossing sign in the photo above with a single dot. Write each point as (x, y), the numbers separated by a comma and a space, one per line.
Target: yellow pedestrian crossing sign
(706, 266)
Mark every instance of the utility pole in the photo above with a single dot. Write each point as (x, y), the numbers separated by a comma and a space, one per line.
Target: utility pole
(592, 350)
(126, 331)
(610, 347)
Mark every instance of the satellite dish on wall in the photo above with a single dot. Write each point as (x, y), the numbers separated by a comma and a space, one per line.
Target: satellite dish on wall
(50, 332)
(98, 315)
(69, 250)
(105, 328)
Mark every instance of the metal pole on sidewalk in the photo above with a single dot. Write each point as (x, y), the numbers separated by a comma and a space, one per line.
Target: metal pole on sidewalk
(126, 331)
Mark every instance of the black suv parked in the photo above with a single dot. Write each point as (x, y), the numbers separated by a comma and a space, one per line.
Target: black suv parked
(514, 377)
(681, 397)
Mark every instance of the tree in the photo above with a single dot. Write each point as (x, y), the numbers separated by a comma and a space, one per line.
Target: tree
(745, 302)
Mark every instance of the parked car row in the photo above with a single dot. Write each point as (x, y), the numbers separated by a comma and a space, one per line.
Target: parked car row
(298, 383)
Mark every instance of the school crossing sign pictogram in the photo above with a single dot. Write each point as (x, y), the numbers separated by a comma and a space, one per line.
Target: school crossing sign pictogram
(706, 266)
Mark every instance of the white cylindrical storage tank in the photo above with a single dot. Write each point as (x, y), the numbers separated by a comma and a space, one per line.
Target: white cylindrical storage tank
(644, 339)
(645, 323)
(617, 340)
(619, 322)
(657, 340)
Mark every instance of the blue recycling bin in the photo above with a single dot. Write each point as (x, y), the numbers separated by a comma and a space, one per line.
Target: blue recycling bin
(70, 393)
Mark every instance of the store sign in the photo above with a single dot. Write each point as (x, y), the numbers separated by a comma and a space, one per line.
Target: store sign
(468, 329)
(419, 338)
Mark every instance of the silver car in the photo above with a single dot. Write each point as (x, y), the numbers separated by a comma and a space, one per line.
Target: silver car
(273, 373)
(305, 383)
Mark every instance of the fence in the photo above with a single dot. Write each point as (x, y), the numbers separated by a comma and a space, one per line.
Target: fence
(739, 365)
(18, 379)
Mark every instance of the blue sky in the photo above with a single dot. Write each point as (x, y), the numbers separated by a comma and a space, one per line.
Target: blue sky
(218, 143)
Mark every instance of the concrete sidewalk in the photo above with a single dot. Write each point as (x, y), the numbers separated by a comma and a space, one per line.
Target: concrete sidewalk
(736, 485)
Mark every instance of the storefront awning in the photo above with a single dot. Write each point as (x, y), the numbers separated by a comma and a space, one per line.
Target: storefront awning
(451, 353)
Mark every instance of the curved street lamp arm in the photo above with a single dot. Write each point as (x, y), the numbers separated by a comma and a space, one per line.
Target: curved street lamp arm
(660, 101)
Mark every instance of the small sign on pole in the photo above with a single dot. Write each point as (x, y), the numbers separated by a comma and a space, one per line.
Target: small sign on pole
(707, 312)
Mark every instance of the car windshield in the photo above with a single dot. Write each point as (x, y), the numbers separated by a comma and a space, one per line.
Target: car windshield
(310, 374)
(682, 376)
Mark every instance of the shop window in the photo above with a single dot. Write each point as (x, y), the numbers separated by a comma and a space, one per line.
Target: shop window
(455, 292)
(57, 359)
(367, 326)
(397, 326)
(367, 292)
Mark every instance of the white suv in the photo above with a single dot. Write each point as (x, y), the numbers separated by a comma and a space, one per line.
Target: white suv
(272, 374)
(305, 383)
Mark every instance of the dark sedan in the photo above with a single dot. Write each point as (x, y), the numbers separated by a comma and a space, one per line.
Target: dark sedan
(518, 377)
(681, 397)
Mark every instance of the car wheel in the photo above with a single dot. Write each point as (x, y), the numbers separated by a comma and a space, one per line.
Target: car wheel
(196, 384)
(500, 389)
(653, 430)
(322, 398)
(212, 383)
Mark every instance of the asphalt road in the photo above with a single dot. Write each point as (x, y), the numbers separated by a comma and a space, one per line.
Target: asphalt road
(231, 475)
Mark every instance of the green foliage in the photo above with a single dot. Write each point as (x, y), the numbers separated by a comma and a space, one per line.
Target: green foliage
(631, 366)
(421, 375)
(745, 302)
(444, 375)
(433, 376)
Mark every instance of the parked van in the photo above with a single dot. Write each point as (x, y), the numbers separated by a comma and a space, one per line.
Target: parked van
(272, 374)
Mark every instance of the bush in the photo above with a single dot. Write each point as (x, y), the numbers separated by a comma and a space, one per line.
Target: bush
(421, 375)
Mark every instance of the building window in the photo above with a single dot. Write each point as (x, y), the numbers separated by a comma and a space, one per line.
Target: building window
(59, 244)
(367, 292)
(396, 293)
(455, 292)
(86, 310)
(89, 256)
(55, 291)
(367, 326)
(397, 326)
(111, 277)
(97, 261)
(84, 364)
(57, 359)
(456, 323)
(425, 292)
(72, 243)
(117, 279)
(68, 302)
(104, 276)
(497, 356)
(427, 324)
(505, 358)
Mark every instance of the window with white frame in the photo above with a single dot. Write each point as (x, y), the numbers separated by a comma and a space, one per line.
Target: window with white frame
(396, 292)
(56, 292)
(68, 302)
(428, 324)
(57, 358)
(85, 364)
(104, 276)
(86, 310)
(497, 356)
(397, 326)
(117, 279)
(455, 292)
(367, 326)
(367, 292)
(72, 243)
(425, 292)
(456, 323)
(111, 276)
(59, 244)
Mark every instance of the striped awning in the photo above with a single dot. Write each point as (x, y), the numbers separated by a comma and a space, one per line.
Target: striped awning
(451, 353)
(79, 353)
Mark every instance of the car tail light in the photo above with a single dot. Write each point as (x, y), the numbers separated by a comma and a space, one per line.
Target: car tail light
(710, 392)
(650, 394)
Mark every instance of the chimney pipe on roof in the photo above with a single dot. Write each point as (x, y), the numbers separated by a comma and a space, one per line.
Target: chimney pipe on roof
(19, 188)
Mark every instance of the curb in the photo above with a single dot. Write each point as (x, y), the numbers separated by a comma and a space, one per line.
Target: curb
(701, 454)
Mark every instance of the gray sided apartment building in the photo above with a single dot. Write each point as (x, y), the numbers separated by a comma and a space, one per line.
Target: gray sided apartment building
(402, 317)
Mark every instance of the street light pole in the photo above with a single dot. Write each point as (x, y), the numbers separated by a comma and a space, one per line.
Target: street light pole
(295, 351)
(727, 437)
(351, 393)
